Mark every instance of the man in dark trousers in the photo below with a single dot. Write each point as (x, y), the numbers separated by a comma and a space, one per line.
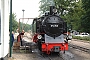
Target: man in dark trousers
(19, 37)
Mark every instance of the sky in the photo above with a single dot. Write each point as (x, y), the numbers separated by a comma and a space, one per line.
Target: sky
(31, 8)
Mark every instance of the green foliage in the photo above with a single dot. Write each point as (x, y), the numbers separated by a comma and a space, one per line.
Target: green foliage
(82, 38)
(71, 11)
(14, 22)
(86, 16)
(26, 27)
(44, 5)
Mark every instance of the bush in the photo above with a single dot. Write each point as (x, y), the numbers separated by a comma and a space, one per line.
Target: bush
(81, 38)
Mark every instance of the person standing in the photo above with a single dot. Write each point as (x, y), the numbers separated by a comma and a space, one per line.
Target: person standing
(12, 39)
(22, 33)
(20, 36)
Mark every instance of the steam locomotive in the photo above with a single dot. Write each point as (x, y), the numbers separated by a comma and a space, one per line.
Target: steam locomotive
(49, 32)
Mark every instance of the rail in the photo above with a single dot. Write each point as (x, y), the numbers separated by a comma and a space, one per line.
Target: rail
(80, 48)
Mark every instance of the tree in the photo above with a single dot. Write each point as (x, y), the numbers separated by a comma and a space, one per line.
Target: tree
(44, 5)
(74, 15)
(14, 22)
(64, 6)
(86, 17)
(71, 11)
(26, 27)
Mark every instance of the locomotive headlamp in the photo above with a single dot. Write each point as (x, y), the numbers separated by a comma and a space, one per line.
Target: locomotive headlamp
(39, 36)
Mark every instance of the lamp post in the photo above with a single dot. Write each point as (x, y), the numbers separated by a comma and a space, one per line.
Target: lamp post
(23, 18)
(10, 50)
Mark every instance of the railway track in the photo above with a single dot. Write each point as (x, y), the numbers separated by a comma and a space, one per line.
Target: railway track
(80, 48)
(53, 56)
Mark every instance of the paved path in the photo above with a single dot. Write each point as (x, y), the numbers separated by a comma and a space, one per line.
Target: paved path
(23, 56)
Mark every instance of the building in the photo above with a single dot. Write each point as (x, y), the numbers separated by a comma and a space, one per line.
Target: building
(4, 28)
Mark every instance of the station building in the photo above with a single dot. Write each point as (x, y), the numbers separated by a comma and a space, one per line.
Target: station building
(4, 29)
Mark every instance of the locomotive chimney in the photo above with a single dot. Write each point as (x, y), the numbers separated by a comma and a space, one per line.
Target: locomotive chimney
(51, 9)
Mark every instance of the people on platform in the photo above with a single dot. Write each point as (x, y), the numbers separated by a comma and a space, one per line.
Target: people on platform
(12, 41)
(20, 36)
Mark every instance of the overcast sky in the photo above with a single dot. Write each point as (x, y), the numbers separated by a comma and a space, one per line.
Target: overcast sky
(31, 8)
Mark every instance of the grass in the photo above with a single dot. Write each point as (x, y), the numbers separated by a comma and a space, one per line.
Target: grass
(82, 38)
